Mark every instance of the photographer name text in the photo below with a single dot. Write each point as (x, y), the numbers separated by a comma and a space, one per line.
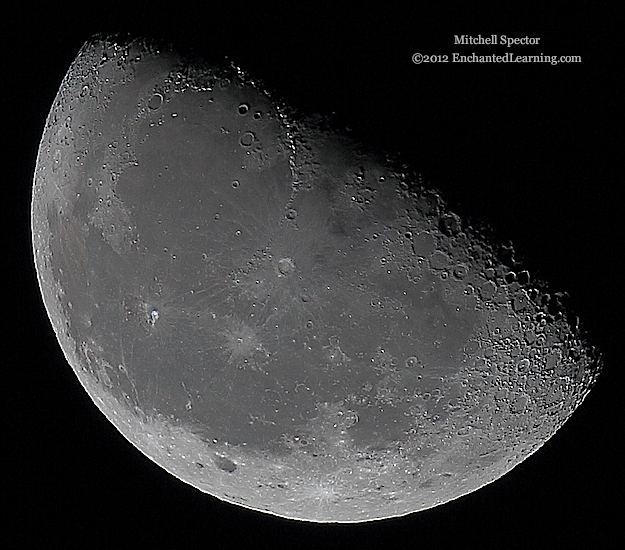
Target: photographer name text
(464, 39)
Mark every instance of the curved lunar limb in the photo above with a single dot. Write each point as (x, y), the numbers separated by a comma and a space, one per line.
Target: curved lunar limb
(275, 315)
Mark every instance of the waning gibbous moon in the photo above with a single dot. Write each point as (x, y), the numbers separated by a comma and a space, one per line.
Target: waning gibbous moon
(275, 315)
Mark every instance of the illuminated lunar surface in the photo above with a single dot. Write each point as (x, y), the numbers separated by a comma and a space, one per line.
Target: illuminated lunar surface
(276, 316)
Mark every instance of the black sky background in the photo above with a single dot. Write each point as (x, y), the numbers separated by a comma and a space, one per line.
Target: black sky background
(527, 148)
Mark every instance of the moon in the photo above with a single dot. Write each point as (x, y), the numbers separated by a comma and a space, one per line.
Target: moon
(277, 315)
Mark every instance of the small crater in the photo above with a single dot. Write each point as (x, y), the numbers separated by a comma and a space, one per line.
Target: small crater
(153, 317)
(225, 464)
(519, 404)
(247, 139)
(488, 290)
(413, 362)
(449, 224)
(155, 102)
(285, 267)
(241, 340)
(300, 440)
(461, 271)
(439, 260)
(523, 366)
(243, 108)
